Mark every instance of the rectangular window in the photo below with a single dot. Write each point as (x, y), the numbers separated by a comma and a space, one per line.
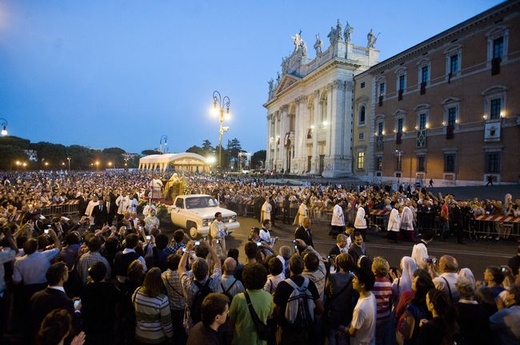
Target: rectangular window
(424, 74)
(398, 161)
(498, 47)
(454, 63)
(381, 89)
(362, 115)
(452, 116)
(362, 86)
(402, 82)
(422, 122)
(493, 162)
(380, 129)
(449, 163)
(361, 136)
(495, 108)
(361, 160)
(421, 163)
(400, 123)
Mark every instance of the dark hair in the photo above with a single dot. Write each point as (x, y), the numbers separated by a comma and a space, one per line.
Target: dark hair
(218, 214)
(172, 262)
(296, 264)
(250, 249)
(233, 253)
(356, 234)
(54, 327)
(422, 285)
(178, 236)
(254, 276)
(201, 252)
(266, 221)
(97, 271)
(43, 241)
(498, 275)
(161, 240)
(111, 245)
(71, 238)
(311, 261)
(153, 284)
(131, 241)
(94, 244)
(256, 230)
(200, 269)
(135, 271)
(345, 261)
(275, 266)
(213, 305)
(366, 277)
(55, 273)
(30, 246)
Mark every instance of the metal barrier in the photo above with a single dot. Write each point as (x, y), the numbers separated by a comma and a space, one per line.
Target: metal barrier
(67, 208)
(496, 226)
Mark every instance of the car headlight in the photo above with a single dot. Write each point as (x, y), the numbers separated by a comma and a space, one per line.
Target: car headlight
(233, 219)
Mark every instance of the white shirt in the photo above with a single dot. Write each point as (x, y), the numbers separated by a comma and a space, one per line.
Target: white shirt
(364, 321)
(360, 222)
(338, 218)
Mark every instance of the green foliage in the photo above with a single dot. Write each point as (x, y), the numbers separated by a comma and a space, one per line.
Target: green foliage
(258, 159)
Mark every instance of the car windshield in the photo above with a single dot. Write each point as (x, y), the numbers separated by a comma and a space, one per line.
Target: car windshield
(201, 202)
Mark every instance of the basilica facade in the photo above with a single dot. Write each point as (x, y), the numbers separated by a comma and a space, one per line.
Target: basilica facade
(310, 106)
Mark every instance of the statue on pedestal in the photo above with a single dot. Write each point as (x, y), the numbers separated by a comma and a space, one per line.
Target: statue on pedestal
(317, 45)
(371, 39)
(347, 34)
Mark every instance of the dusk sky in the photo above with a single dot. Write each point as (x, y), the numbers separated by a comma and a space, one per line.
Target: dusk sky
(107, 73)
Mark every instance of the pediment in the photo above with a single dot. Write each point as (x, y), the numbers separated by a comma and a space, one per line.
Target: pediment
(286, 82)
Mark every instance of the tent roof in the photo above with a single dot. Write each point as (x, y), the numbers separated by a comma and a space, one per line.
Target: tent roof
(184, 158)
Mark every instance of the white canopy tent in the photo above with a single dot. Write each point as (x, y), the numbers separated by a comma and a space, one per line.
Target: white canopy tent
(187, 161)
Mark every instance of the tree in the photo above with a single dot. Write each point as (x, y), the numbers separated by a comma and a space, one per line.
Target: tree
(195, 149)
(151, 152)
(258, 159)
(207, 148)
(10, 155)
(233, 148)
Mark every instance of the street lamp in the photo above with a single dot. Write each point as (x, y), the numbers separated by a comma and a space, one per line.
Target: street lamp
(68, 158)
(3, 123)
(222, 103)
(163, 141)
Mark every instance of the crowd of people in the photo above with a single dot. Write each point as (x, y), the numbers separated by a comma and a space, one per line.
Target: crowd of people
(110, 276)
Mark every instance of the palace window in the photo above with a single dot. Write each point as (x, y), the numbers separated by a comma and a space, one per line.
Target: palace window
(492, 161)
(361, 160)
(362, 115)
(449, 162)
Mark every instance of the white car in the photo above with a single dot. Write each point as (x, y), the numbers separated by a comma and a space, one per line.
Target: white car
(195, 212)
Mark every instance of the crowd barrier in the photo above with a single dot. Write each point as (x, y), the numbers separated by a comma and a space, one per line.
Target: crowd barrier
(66, 208)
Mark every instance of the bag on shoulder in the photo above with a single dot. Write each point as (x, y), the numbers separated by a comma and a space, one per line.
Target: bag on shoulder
(202, 292)
(299, 310)
(264, 331)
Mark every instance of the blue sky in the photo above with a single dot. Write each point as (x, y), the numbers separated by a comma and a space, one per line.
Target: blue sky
(114, 73)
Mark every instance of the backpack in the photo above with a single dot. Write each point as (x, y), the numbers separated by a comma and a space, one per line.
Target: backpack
(299, 310)
(226, 291)
(201, 293)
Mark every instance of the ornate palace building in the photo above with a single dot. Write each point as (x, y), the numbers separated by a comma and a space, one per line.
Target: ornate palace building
(310, 106)
(446, 109)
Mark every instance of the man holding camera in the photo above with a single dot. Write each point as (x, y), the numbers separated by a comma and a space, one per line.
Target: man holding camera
(218, 232)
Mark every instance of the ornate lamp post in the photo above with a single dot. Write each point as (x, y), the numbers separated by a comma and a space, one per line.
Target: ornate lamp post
(68, 158)
(3, 123)
(163, 141)
(221, 103)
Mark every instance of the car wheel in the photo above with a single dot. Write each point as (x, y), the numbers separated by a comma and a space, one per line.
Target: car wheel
(192, 230)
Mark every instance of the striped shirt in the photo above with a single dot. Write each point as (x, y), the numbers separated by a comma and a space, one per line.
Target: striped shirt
(153, 318)
(382, 290)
